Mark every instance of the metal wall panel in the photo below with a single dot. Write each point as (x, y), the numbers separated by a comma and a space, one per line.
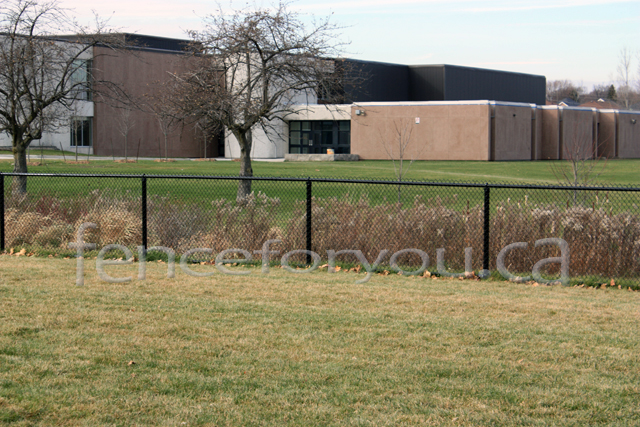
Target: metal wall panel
(427, 83)
(377, 82)
(464, 83)
(382, 82)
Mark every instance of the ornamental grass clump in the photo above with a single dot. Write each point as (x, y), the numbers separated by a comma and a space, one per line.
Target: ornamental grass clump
(245, 226)
(604, 240)
(344, 223)
(601, 242)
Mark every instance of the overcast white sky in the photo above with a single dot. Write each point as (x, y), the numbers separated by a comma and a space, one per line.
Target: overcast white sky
(578, 40)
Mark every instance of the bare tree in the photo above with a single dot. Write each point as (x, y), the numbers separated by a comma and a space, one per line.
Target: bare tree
(624, 75)
(600, 91)
(209, 131)
(125, 122)
(253, 67)
(583, 161)
(397, 147)
(166, 121)
(163, 105)
(41, 75)
(557, 90)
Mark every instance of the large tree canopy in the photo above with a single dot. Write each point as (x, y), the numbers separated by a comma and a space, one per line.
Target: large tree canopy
(253, 67)
(42, 75)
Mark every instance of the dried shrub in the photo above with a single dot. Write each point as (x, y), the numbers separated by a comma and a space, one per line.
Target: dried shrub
(601, 242)
(56, 235)
(244, 226)
(51, 222)
(358, 224)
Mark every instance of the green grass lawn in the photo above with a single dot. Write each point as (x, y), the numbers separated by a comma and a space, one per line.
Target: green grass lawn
(202, 192)
(304, 350)
(616, 172)
(34, 154)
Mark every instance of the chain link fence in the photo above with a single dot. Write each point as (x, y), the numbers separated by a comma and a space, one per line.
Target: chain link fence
(600, 224)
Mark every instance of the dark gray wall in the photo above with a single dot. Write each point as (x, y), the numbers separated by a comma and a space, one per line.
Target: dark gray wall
(464, 83)
(394, 82)
(426, 83)
(376, 82)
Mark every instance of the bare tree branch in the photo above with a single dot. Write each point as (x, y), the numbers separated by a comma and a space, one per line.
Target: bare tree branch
(252, 67)
(397, 147)
(43, 75)
(582, 162)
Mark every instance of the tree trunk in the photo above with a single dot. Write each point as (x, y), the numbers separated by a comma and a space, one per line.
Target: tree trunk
(166, 149)
(19, 185)
(244, 186)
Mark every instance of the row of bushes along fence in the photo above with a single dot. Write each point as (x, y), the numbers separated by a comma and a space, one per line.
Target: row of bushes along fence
(600, 224)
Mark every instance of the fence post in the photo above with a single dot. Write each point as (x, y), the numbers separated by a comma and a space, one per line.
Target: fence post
(309, 219)
(144, 212)
(1, 212)
(487, 226)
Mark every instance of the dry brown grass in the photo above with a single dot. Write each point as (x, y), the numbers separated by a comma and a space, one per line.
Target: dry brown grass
(309, 350)
(359, 224)
(602, 242)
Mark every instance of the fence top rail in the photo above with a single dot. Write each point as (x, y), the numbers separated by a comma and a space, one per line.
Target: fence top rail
(329, 180)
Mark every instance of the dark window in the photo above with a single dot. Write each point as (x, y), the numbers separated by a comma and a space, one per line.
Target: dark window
(317, 137)
(81, 132)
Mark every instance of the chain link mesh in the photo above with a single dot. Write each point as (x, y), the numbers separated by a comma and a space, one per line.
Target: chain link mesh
(601, 225)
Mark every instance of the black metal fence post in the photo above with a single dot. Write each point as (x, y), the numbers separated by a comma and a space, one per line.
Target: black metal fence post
(1, 212)
(487, 226)
(144, 212)
(309, 193)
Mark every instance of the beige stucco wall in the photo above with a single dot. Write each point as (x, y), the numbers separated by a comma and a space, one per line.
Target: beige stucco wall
(606, 134)
(628, 135)
(459, 131)
(536, 133)
(511, 132)
(576, 133)
(550, 133)
(444, 132)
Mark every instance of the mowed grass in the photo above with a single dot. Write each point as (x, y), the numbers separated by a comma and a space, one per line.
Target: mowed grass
(615, 172)
(310, 349)
(34, 154)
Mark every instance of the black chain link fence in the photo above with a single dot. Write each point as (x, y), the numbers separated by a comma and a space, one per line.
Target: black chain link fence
(600, 224)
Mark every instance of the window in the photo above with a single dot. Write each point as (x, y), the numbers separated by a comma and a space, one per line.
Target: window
(81, 79)
(81, 132)
(316, 137)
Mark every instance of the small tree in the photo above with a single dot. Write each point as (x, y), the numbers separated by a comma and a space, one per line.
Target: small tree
(163, 105)
(582, 162)
(397, 147)
(253, 68)
(125, 122)
(41, 75)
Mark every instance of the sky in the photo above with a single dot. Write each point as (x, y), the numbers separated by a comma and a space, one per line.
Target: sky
(578, 40)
